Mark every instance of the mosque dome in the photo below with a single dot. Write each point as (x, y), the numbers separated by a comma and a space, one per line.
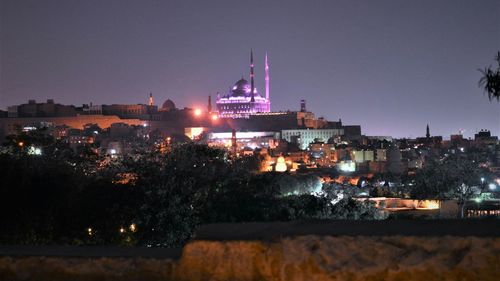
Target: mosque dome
(241, 88)
(168, 105)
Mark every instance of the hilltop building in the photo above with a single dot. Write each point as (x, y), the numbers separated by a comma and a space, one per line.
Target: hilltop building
(44, 109)
(243, 99)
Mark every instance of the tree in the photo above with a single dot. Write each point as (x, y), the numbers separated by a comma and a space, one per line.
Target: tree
(454, 177)
(36, 197)
(175, 190)
(351, 209)
(490, 81)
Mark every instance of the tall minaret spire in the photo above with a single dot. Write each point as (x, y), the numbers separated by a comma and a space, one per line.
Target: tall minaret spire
(151, 101)
(267, 79)
(252, 76)
(427, 132)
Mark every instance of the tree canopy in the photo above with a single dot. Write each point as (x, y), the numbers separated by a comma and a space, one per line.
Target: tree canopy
(490, 81)
(454, 177)
(71, 196)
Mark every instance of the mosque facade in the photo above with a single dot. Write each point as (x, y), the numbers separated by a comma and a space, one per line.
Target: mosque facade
(243, 99)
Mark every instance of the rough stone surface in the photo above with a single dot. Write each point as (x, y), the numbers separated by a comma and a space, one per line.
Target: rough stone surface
(84, 269)
(308, 257)
(343, 258)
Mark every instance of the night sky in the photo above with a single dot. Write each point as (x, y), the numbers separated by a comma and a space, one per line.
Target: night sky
(390, 66)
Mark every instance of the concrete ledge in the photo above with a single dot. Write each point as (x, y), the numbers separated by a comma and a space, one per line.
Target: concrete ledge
(89, 252)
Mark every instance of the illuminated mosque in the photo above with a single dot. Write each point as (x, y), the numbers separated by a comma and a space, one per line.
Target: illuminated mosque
(243, 99)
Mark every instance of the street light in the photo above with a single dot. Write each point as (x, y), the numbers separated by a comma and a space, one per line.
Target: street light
(133, 227)
(197, 112)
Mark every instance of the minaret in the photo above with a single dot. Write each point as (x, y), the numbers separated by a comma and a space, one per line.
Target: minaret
(209, 106)
(267, 82)
(252, 76)
(151, 101)
(234, 145)
(303, 106)
(427, 132)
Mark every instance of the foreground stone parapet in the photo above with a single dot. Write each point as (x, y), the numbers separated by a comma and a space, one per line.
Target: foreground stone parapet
(343, 258)
(84, 269)
(299, 258)
(292, 251)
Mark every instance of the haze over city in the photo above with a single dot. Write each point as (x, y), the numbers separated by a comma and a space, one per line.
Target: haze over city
(389, 66)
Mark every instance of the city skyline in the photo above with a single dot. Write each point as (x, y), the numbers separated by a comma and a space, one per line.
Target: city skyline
(244, 140)
(392, 71)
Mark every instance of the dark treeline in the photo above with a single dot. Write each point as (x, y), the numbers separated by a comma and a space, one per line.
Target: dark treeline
(67, 196)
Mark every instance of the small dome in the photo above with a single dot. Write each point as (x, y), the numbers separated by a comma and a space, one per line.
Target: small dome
(168, 105)
(242, 83)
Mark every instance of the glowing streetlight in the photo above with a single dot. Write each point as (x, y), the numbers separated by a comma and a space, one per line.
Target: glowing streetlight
(133, 227)
(215, 117)
(197, 112)
(122, 230)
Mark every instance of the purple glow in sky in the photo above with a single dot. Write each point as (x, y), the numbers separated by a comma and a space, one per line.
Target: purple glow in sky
(390, 66)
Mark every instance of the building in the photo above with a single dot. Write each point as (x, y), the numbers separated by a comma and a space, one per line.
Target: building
(44, 109)
(14, 125)
(243, 98)
(484, 137)
(428, 140)
(322, 154)
(130, 111)
(304, 137)
(393, 163)
(244, 139)
(381, 154)
(360, 156)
